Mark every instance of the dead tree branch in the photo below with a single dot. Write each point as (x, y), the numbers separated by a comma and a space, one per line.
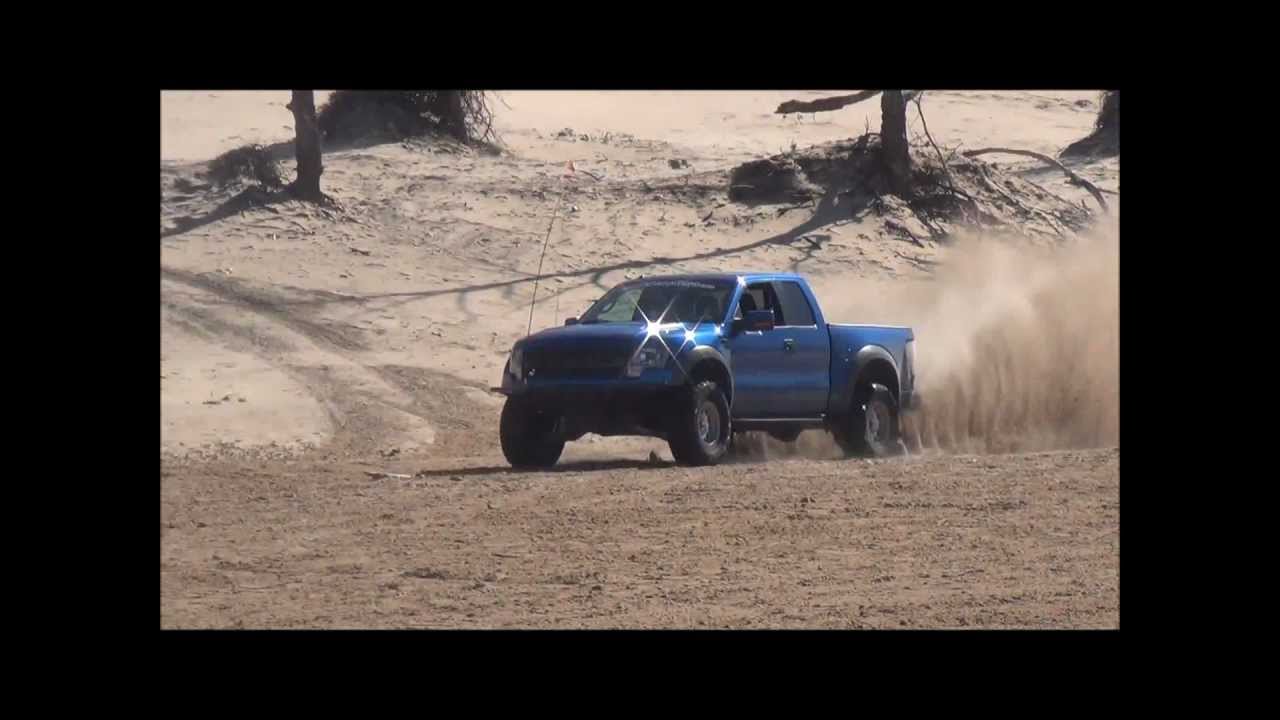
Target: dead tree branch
(946, 170)
(833, 103)
(824, 104)
(1071, 175)
(1015, 202)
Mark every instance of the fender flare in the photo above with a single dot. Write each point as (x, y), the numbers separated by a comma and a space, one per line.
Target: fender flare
(692, 358)
(509, 387)
(864, 357)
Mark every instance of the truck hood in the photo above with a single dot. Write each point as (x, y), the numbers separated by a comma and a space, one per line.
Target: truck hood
(582, 351)
(611, 339)
(592, 334)
(611, 334)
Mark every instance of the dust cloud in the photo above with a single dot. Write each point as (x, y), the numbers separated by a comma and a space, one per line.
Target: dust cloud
(1017, 345)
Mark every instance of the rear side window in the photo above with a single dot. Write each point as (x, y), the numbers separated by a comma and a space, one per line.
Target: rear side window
(795, 306)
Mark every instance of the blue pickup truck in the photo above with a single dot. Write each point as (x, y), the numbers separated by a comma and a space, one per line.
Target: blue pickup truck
(694, 359)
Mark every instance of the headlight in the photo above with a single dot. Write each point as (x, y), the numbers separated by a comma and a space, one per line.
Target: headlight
(649, 357)
(516, 363)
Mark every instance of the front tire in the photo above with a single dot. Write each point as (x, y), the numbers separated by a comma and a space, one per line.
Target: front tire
(871, 429)
(528, 435)
(701, 429)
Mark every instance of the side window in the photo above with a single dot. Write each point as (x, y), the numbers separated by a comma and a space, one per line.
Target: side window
(795, 306)
(753, 298)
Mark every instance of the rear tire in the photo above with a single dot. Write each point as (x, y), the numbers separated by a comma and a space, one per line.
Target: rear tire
(871, 429)
(527, 435)
(700, 429)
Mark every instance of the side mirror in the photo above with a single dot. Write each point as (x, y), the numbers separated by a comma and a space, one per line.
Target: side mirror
(570, 321)
(755, 321)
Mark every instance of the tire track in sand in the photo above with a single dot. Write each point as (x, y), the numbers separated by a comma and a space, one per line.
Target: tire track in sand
(371, 405)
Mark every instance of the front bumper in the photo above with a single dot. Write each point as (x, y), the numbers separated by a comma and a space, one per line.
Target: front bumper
(608, 410)
(650, 380)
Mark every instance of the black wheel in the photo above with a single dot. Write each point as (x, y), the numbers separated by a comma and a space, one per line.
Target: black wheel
(528, 435)
(871, 429)
(700, 430)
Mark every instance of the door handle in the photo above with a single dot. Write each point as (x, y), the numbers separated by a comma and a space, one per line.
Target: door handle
(789, 345)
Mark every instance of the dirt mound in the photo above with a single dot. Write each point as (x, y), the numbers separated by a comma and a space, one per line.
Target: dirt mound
(770, 181)
(957, 191)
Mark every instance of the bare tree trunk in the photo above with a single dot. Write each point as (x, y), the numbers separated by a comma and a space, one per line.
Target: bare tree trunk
(452, 118)
(893, 140)
(1105, 138)
(306, 146)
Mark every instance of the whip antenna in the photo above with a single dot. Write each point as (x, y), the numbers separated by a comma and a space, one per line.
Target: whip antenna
(545, 241)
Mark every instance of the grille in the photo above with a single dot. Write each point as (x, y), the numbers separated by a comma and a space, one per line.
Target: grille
(586, 363)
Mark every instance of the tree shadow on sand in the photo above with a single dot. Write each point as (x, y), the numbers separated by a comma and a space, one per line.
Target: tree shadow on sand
(833, 207)
(266, 193)
(826, 213)
(251, 197)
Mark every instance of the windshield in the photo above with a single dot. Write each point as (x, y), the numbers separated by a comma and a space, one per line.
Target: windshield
(665, 301)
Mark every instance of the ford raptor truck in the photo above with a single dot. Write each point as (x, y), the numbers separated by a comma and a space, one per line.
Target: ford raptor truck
(694, 359)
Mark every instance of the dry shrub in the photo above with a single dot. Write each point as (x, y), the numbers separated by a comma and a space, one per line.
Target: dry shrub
(355, 115)
(248, 162)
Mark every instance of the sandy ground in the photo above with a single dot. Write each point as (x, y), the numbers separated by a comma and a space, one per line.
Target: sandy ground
(300, 349)
(998, 541)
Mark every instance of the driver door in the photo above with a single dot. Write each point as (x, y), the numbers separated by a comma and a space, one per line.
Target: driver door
(784, 372)
(756, 359)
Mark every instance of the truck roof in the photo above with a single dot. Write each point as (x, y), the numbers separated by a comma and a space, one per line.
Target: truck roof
(722, 276)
